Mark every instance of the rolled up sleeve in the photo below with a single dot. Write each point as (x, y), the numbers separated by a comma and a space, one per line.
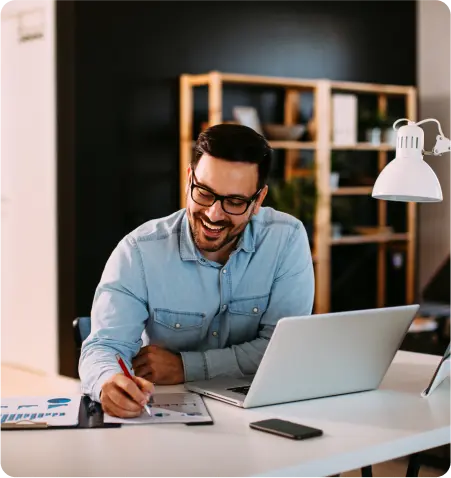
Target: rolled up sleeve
(118, 318)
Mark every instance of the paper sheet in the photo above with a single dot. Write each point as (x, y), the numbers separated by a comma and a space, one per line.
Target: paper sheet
(169, 408)
(54, 410)
(442, 371)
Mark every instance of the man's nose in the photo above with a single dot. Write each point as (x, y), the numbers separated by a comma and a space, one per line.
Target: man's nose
(215, 213)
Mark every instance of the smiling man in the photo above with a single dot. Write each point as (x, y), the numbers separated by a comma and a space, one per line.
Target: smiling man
(201, 289)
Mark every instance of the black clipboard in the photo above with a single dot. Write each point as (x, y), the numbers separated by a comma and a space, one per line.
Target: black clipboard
(90, 415)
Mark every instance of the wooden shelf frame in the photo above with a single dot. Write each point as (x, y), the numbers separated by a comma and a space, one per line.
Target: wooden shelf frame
(322, 147)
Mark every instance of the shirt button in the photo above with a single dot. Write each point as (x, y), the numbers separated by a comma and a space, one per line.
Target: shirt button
(177, 326)
(224, 271)
(224, 307)
(255, 310)
(215, 334)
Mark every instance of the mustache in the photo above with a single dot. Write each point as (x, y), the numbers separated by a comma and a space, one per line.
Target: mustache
(218, 223)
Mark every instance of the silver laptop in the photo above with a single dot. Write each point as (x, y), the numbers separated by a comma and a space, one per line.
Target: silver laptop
(318, 356)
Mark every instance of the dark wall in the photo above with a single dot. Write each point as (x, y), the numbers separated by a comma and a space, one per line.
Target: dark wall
(128, 58)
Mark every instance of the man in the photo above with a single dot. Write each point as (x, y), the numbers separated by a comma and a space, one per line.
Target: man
(205, 286)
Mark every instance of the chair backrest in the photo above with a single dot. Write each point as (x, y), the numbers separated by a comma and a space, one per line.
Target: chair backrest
(82, 328)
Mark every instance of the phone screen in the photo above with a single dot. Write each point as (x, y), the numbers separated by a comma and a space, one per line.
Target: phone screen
(286, 428)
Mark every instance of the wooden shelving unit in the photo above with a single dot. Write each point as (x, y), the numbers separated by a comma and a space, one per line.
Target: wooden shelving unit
(322, 147)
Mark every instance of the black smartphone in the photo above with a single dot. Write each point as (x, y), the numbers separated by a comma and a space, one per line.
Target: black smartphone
(286, 429)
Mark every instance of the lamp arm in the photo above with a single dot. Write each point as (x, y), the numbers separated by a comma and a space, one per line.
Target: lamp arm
(443, 144)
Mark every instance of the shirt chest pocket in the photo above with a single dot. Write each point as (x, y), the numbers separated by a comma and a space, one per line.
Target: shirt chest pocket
(244, 316)
(177, 330)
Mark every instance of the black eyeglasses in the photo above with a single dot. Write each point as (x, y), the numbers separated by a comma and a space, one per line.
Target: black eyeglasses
(230, 204)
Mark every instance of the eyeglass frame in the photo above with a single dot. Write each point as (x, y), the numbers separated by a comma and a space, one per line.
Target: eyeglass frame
(218, 197)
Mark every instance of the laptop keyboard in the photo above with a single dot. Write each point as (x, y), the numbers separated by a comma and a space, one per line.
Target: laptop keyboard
(242, 390)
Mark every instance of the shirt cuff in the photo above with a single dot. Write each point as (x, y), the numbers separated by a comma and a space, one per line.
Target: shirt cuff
(195, 366)
(95, 394)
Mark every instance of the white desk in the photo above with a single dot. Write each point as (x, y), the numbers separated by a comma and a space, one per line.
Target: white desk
(359, 429)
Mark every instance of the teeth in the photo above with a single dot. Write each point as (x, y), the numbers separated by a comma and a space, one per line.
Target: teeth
(211, 227)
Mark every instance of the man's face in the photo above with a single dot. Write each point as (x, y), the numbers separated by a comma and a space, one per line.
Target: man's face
(213, 229)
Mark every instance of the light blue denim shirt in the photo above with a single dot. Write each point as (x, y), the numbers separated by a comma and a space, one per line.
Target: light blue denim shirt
(157, 288)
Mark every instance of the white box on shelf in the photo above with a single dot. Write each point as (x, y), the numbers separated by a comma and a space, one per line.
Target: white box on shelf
(344, 119)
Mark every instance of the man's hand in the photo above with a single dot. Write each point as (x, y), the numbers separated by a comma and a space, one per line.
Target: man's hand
(125, 398)
(159, 365)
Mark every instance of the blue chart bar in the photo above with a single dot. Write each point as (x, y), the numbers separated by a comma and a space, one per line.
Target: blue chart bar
(13, 417)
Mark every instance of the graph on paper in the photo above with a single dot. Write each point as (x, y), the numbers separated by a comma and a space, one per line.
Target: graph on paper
(55, 411)
(186, 407)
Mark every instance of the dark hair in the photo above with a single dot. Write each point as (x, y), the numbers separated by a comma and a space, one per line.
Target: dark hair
(235, 143)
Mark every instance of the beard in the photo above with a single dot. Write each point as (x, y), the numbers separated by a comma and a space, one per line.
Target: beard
(211, 241)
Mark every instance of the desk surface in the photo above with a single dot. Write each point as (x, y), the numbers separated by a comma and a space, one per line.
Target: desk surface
(359, 429)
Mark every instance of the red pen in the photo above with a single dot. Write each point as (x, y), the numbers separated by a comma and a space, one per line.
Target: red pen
(128, 375)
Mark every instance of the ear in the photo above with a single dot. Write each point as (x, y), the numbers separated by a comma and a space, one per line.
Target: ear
(261, 198)
(188, 176)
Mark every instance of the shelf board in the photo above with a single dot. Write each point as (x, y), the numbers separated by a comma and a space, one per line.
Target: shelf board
(292, 144)
(370, 238)
(371, 88)
(299, 83)
(364, 147)
(352, 191)
(268, 80)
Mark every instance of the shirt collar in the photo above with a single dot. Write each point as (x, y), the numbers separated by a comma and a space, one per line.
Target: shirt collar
(189, 251)
(247, 239)
(187, 246)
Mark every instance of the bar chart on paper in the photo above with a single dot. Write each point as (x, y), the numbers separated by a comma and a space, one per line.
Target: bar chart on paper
(54, 411)
(11, 417)
(186, 407)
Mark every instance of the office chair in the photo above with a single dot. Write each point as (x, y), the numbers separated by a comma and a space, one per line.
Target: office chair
(82, 328)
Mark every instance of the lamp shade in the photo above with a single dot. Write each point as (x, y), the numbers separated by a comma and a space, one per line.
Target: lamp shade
(408, 177)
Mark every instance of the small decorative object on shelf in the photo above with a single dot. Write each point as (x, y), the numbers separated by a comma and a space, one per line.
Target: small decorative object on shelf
(344, 119)
(248, 116)
(282, 132)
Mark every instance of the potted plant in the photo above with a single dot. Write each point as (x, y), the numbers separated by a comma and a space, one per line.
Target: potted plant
(389, 135)
(372, 125)
(296, 197)
(337, 165)
(341, 217)
(378, 128)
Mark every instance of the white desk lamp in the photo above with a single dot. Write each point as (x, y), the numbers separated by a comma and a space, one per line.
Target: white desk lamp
(408, 177)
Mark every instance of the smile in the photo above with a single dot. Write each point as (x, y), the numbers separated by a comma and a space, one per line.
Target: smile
(212, 228)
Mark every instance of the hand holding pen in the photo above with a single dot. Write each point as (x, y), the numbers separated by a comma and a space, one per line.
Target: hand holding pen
(128, 375)
(125, 396)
